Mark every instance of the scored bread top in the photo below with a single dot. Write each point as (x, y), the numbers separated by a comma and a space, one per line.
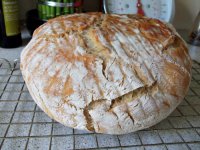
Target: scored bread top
(106, 73)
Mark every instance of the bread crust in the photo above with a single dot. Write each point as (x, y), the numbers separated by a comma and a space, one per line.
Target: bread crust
(111, 74)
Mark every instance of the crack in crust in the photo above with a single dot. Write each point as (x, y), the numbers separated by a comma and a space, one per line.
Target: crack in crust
(129, 114)
(131, 96)
(117, 102)
(87, 115)
(88, 118)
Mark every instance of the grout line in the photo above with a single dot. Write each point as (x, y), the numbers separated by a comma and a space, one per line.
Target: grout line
(96, 140)
(74, 138)
(197, 132)
(30, 127)
(119, 141)
(161, 139)
(139, 138)
(50, 144)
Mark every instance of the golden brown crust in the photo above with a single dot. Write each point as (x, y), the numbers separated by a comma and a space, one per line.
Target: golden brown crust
(106, 73)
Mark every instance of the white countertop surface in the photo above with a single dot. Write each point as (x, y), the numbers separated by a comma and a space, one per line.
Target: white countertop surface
(14, 53)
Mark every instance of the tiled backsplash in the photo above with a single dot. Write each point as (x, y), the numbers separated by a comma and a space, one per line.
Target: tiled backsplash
(186, 10)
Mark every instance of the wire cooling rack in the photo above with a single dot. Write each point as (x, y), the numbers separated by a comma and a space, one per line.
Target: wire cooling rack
(24, 126)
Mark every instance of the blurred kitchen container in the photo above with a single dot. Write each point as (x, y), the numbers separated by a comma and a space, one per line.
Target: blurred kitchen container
(194, 37)
(48, 9)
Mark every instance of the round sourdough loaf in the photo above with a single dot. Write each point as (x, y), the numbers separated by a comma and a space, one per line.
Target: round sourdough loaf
(111, 74)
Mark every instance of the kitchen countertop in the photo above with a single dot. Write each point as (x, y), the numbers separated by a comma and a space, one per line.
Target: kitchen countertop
(14, 53)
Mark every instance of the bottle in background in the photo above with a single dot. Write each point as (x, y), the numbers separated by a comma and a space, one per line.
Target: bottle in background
(10, 35)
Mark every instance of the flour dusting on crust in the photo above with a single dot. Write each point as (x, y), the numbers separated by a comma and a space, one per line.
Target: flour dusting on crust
(110, 74)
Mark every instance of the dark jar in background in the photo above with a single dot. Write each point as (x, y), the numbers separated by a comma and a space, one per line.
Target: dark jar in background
(10, 34)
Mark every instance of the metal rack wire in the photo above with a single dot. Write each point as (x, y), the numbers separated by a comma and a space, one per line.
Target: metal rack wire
(24, 126)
